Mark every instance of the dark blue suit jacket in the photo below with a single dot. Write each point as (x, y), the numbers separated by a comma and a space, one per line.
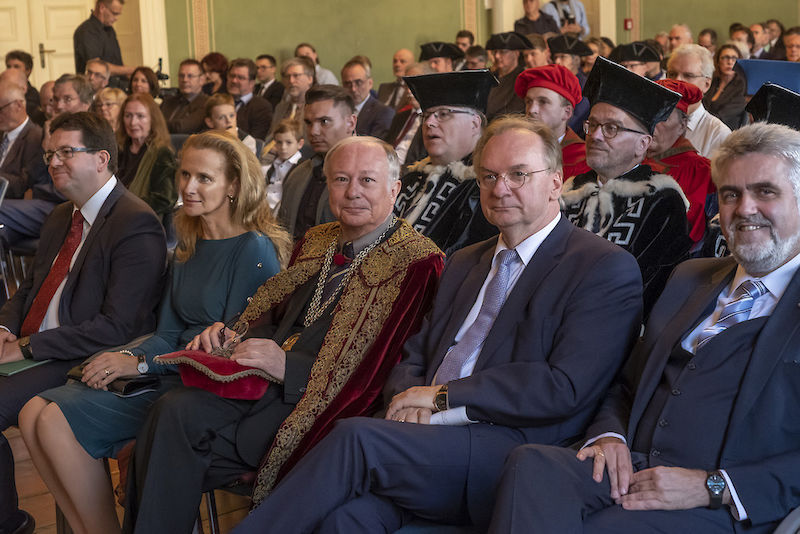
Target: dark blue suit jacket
(761, 452)
(551, 352)
(374, 119)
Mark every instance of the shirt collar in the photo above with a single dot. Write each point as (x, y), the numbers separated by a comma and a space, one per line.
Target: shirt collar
(244, 99)
(364, 241)
(531, 244)
(13, 134)
(294, 158)
(695, 116)
(92, 206)
(777, 281)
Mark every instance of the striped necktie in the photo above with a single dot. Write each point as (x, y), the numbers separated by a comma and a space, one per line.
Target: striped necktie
(735, 311)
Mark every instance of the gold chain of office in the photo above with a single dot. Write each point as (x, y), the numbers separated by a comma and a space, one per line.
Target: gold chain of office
(315, 310)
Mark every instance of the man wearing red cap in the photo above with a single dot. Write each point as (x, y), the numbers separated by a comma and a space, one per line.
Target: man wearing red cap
(551, 93)
(680, 159)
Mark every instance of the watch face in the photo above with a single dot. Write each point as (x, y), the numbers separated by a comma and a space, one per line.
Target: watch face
(142, 367)
(715, 483)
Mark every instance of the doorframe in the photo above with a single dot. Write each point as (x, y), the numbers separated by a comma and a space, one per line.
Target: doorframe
(153, 29)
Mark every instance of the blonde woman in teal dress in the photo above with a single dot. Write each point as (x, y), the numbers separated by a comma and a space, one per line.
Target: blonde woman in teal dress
(229, 244)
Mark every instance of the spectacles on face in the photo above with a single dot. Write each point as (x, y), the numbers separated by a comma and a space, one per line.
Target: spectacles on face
(4, 106)
(513, 179)
(353, 83)
(728, 58)
(444, 115)
(66, 152)
(609, 129)
(688, 76)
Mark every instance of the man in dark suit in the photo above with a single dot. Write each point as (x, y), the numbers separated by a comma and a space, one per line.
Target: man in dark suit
(253, 113)
(186, 110)
(374, 118)
(706, 411)
(482, 375)
(22, 165)
(95, 282)
(392, 93)
(268, 87)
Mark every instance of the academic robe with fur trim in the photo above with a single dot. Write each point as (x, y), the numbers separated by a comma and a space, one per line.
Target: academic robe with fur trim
(382, 304)
(442, 202)
(693, 173)
(573, 155)
(643, 212)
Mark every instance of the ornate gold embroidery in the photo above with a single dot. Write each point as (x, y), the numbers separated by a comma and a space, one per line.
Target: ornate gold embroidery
(358, 318)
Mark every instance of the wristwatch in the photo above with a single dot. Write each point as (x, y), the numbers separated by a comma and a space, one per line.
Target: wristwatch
(25, 347)
(440, 400)
(141, 366)
(715, 484)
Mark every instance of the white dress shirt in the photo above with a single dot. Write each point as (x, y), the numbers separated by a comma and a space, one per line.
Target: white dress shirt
(705, 131)
(526, 249)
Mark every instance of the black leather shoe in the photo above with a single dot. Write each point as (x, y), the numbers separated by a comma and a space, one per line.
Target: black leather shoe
(25, 527)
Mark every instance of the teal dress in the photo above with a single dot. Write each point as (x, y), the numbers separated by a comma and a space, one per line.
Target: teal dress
(213, 285)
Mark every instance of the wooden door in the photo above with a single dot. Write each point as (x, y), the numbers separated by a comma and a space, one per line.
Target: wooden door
(52, 23)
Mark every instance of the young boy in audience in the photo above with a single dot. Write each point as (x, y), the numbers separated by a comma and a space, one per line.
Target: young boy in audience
(221, 115)
(289, 140)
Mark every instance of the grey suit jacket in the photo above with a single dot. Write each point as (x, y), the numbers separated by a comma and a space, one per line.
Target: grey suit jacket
(761, 451)
(112, 289)
(374, 118)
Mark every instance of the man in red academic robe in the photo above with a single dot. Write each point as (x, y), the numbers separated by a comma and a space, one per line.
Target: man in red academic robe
(551, 93)
(680, 159)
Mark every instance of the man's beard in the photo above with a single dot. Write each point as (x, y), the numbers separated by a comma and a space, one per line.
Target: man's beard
(762, 257)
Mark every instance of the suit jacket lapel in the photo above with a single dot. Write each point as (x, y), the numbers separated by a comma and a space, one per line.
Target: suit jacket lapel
(94, 230)
(465, 299)
(780, 336)
(692, 313)
(543, 261)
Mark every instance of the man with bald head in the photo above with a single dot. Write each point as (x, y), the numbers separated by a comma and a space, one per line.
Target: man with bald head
(391, 93)
(22, 165)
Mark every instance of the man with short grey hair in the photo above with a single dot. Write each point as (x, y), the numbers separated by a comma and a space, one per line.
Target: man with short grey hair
(374, 117)
(694, 64)
(98, 72)
(679, 35)
(699, 433)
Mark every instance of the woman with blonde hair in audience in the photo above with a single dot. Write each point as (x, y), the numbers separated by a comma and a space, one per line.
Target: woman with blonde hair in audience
(146, 158)
(108, 103)
(229, 244)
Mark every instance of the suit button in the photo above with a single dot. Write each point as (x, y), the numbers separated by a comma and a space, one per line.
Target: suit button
(676, 391)
(692, 366)
(662, 423)
(259, 265)
(655, 452)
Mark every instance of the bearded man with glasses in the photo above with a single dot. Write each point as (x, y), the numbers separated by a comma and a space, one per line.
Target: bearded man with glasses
(622, 199)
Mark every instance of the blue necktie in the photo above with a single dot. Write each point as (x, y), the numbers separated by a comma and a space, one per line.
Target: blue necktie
(734, 312)
(493, 300)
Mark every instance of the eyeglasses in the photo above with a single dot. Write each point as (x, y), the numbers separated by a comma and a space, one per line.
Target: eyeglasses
(728, 58)
(66, 152)
(674, 74)
(609, 129)
(444, 115)
(4, 106)
(188, 76)
(513, 179)
(108, 104)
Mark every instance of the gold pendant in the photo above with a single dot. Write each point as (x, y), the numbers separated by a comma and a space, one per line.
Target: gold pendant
(290, 341)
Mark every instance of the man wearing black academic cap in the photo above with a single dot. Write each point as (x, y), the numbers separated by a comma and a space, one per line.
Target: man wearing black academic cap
(636, 57)
(515, 350)
(506, 50)
(441, 57)
(622, 199)
(439, 195)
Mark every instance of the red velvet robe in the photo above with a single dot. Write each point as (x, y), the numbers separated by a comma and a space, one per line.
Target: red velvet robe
(693, 173)
(382, 304)
(573, 153)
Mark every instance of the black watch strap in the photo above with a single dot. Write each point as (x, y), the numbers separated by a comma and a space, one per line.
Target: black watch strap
(25, 347)
(715, 484)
